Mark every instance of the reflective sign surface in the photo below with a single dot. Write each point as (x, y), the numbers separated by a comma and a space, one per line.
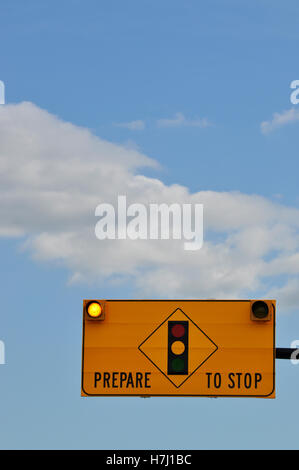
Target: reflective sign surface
(187, 348)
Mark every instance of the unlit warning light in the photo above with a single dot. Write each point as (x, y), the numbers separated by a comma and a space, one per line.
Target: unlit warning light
(178, 347)
(261, 310)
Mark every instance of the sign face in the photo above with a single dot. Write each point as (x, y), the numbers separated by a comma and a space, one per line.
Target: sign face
(178, 348)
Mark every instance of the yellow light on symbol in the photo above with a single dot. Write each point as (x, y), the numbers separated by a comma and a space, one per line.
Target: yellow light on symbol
(178, 347)
(94, 310)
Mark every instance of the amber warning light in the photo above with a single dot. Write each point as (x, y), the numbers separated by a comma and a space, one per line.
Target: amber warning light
(94, 309)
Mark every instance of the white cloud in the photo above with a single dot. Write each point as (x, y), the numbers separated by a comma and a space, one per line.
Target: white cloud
(53, 175)
(132, 125)
(279, 120)
(179, 120)
(288, 294)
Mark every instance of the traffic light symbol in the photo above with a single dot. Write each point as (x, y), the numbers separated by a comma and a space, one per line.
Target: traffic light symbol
(178, 336)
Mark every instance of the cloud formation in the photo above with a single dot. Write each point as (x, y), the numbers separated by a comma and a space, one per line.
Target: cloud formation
(179, 120)
(54, 174)
(132, 125)
(279, 120)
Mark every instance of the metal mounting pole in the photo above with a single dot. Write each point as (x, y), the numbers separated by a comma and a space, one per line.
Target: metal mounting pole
(285, 353)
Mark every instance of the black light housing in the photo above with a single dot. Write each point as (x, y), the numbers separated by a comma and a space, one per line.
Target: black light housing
(260, 310)
(94, 310)
(178, 339)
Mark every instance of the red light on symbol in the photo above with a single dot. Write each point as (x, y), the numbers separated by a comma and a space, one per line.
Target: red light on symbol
(178, 330)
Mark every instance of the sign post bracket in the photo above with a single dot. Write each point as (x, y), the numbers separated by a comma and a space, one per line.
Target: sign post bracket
(285, 353)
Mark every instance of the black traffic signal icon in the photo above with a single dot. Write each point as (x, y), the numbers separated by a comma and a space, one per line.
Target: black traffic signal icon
(178, 336)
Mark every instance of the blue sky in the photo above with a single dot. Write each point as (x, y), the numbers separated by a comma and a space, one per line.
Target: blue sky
(100, 65)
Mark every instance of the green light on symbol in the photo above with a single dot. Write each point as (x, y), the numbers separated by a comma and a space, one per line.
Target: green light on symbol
(177, 365)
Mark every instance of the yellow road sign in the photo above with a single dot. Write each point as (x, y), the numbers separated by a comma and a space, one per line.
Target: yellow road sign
(179, 348)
